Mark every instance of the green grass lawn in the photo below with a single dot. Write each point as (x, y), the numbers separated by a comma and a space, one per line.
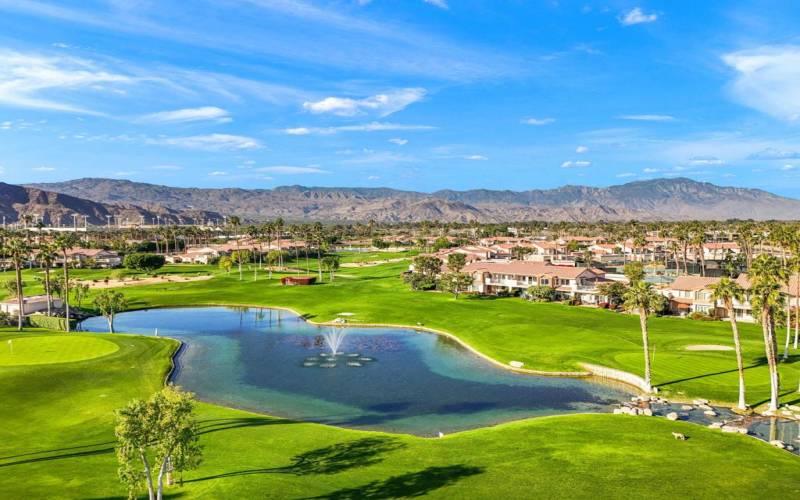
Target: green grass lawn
(56, 441)
(551, 337)
(544, 336)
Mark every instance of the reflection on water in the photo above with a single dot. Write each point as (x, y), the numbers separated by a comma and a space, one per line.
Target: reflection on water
(396, 380)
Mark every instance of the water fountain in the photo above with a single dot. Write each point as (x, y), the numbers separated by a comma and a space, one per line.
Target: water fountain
(332, 339)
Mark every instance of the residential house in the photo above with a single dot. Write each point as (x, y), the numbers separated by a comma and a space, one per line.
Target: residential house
(517, 276)
(91, 257)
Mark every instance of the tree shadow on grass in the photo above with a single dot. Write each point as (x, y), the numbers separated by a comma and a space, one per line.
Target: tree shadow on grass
(758, 363)
(413, 484)
(75, 454)
(225, 424)
(328, 460)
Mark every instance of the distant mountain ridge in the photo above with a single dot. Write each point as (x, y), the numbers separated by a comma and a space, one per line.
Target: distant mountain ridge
(58, 208)
(658, 199)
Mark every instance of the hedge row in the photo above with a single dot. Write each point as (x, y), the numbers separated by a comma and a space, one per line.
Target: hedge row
(50, 322)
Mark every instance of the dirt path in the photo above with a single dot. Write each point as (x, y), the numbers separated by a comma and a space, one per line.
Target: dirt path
(143, 281)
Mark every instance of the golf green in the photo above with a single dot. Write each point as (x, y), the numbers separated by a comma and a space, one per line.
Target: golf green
(42, 350)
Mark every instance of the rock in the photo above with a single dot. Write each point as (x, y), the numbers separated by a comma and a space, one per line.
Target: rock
(715, 425)
(516, 364)
(647, 412)
(687, 407)
(789, 447)
(710, 413)
(635, 399)
(672, 416)
(777, 443)
(698, 402)
(704, 407)
(679, 436)
(794, 408)
(619, 411)
(733, 429)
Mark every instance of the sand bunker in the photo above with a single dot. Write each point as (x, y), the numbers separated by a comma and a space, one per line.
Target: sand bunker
(708, 347)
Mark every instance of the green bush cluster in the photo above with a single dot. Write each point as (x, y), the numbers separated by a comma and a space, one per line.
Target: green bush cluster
(50, 322)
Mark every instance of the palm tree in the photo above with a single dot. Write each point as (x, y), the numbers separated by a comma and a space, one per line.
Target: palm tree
(17, 250)
(64, 242)
(641, 297)
(727, 291)
(235, 222)
(766, 277)
(47, 256)
(318, 235)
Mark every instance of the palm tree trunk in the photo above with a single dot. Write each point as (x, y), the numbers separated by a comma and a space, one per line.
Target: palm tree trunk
(47, 289)
(788, 327)
(20, 297)
(739, 363)
(646, 346)
(66, 290)
(770, 349)
(797, 310)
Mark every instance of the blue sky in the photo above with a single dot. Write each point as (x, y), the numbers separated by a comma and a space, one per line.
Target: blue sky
(410, 94)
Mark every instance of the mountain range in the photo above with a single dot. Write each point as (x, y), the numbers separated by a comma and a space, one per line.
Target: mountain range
(658, 199)
(55, 208)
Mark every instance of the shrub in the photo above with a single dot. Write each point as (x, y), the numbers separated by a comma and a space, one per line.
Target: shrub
(699, 316)
(50, 322)
(145, 262)
(541, 293)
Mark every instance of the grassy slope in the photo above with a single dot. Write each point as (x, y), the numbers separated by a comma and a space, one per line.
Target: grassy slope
(543, 336)
(56, 441)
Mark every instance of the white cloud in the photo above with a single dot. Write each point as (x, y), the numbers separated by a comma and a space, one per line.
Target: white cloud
(538, 121)
(648, 118)
(381, 104)
(367, 127)
(205, 113)
(47, 82)
(43, 169)
(298, 131)
(6, 125)
(636, 16)
(788, 167)
(211, 142)
(373, 178)
(625, 174)
(442, 4)
(576, 164)
(581, 149)
(650, 170)
(290, 170)
(476, 158)
(399, 141)
(217, 173)
(767, 79)
(771, 154)
(124, 173)
(705, 161)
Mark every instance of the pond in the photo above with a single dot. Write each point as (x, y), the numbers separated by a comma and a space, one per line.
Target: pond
(389, 379)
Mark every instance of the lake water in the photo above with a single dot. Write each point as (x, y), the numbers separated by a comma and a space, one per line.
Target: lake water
(396, 380)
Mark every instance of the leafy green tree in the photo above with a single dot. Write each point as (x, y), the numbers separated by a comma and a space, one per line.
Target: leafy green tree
(440, 243)
(225, 263)
(455, 282)
(330, 263)
(456, 262)
(634, 271)
(541, 293)
(156, 438)
(614, 292)
(80, 292)
(109, 302)
(641, 297)
(428, 266)
(727, 291)
(144, 262)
